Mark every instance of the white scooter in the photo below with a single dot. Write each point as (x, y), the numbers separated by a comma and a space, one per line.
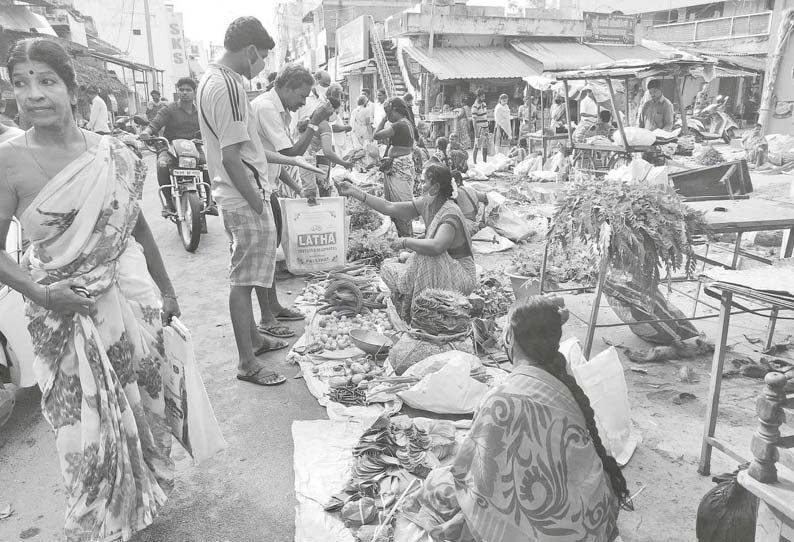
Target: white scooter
(16, 347)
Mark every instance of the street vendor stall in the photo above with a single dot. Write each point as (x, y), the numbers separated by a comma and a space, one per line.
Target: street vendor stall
(624, 148)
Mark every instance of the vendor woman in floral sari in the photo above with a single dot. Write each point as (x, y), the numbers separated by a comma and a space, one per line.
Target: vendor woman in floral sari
(444, 258)
(93, 311)
(533, 467)
(398, 166)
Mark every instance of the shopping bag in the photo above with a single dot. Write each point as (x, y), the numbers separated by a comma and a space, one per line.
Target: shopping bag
(603, 382)
(314, 235)
(187, 408)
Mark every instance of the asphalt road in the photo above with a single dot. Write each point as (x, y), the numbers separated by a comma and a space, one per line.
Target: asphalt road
(247, 492)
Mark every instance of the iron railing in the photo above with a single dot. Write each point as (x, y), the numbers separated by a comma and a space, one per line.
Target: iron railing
(380, 59)
(721, 28)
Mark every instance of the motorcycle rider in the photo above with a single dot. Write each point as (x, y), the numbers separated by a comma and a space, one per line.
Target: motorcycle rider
(178, 120)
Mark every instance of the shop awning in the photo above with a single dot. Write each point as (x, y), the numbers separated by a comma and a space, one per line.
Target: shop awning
(363, 66)
(21, 19)
(744, 62)
(560, 55)
(473, 62)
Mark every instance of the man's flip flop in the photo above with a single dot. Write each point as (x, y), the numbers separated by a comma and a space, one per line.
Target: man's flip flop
(279, 332)
(265, 348)
(289, 314)
(263, 377)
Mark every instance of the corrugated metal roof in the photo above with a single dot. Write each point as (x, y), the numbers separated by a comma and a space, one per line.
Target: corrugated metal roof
(21, 19)
(560, 55)
(630, 52)
(473, 62)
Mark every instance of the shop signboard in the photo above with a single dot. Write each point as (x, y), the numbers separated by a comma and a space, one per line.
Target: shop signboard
(353, 41)
(609, 28)
(321, 51)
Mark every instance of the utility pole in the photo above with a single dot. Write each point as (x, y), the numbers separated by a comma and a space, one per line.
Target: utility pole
(148, 17)
(432, 25)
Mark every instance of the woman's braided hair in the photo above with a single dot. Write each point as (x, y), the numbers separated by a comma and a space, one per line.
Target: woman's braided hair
(536, 326)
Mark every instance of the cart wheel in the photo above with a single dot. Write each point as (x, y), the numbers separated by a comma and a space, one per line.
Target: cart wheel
(619, 159)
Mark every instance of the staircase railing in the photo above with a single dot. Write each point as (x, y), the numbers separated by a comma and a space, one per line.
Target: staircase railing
(380, 59)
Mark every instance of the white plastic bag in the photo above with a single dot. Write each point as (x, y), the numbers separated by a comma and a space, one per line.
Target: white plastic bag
(450, 390)
(314, 235)
(603, 381)
(188, 410)
(504, 220)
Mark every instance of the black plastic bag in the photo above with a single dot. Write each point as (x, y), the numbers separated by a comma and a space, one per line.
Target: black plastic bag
(727, 512)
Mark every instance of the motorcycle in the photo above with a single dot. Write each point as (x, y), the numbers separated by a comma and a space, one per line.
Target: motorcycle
(189, 187)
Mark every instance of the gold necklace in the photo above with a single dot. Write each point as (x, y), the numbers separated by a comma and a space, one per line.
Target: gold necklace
(33, 154)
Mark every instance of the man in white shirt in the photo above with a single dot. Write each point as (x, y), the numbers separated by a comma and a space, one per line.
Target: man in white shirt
(99, 120)
(379, 113)
(239, 171)
(273, 112)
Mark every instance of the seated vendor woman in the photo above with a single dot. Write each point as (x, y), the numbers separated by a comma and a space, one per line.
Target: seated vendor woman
(533, 466)
(443, 259)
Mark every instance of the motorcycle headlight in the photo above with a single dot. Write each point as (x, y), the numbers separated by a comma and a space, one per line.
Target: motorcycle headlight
(187, 162)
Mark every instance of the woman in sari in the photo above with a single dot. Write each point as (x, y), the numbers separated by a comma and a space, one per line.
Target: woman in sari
(462, 122)
(92, 307)
(398, 166)
(533, 466)
(444, 258)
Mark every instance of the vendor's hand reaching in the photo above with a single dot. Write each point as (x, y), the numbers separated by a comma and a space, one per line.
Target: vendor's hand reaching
(65, 300)
(302, 163)
(346, 188)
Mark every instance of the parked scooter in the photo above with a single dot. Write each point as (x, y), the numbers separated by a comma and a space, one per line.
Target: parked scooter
(16, 346)
(695, 127)
(721, 121)
(189, 186)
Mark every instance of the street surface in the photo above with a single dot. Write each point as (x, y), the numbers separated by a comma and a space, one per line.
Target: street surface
(246, 494)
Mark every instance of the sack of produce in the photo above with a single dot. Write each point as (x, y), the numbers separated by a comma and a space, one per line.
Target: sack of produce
(727, 513)
(414, 347)
(635, 136)
(441, 312)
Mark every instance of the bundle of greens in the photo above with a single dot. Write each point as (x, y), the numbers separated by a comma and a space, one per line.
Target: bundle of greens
(362, 218)
(363, 246)
(497, 296)
(441, 312)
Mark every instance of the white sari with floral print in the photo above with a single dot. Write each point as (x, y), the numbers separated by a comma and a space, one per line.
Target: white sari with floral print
(100, 375)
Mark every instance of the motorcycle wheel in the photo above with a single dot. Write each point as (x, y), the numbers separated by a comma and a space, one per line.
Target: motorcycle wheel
(190, 225)
(729, 134)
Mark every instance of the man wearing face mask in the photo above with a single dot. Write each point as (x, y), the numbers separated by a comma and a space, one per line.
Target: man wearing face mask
(239, 169)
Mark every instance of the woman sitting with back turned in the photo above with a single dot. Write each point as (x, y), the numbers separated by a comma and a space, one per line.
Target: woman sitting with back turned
(444, 258)
(533, 467)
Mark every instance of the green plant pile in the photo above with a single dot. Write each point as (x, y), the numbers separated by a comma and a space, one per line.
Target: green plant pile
(364, 246)
(652, 229)
(362, 217)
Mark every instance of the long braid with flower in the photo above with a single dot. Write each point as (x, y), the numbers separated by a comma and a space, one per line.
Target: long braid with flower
(536, 326)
